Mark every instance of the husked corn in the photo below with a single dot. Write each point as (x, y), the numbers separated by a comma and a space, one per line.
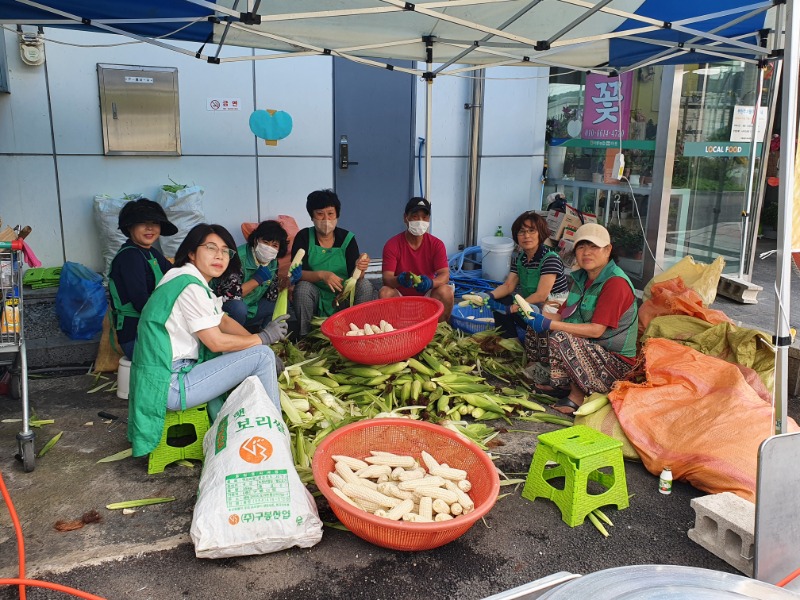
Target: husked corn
(413, 484)
(344, 497)
(373, 471)
(359, 492)
(425, 507)
(437, 492)
(464, 485)
(456, 509)
(354, 463)
(440, 506)
(335, 480)
(449, 473)
(430, 462)
(412, 474)
(463, 499)
(397, 512)
(442, 517)
(391, 489)
(392, 460)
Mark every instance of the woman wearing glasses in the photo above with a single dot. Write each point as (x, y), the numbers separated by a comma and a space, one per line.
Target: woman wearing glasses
(592, 338)
(538, 274)
(189, 352)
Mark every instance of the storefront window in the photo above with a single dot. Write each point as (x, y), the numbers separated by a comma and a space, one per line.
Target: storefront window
(589, 119)
(711, 169)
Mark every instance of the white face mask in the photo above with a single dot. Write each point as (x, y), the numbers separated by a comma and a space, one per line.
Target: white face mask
(325, 226)
(418, 227)
(265, 253)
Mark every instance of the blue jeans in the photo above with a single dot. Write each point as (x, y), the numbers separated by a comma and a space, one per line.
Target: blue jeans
(214, 377)
(127, 348)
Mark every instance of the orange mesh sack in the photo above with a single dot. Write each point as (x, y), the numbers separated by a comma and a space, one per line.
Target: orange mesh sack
(290, 225)
(697, 415)
(672, 297)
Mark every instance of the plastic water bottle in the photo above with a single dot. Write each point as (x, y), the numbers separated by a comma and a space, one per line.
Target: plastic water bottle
(665, 481)
(499, 232)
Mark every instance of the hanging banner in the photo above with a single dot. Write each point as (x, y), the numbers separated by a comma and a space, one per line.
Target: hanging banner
(607, 107)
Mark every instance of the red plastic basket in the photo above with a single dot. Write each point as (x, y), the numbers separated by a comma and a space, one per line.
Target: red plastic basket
(413, 317)
(405, 436)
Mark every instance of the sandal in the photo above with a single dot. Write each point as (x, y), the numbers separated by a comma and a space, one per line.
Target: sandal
(565, 403)
(553, 392)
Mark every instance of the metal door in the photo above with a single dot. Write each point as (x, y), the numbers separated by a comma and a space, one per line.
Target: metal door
(374, 150)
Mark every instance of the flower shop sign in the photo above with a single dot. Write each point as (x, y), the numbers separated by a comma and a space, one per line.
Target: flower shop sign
(607, 107)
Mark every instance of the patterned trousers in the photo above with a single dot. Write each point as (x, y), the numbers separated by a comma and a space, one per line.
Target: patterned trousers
(583, 362)
(306, 297)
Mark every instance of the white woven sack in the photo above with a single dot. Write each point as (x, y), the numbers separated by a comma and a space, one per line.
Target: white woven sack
(184, 209)
(250, 499)
(106, 213)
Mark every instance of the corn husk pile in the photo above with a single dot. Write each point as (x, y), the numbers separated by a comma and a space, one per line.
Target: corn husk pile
(458, 381)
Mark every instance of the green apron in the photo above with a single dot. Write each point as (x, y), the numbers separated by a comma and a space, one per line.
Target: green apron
(151, 369)
(249, 266)
(327, 259)
(119, 310)
(529, 278)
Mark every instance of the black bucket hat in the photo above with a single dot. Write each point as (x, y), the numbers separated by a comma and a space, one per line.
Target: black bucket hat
(144, 211)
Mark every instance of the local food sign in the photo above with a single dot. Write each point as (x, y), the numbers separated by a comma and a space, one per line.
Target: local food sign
(607, 107)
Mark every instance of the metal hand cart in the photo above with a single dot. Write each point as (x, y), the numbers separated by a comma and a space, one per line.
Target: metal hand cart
(12, 342)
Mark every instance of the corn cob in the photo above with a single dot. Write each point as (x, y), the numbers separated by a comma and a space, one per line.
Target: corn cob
(374, 471)
(397, 512)
(407, 462)
(413, 484)
(449, 473)
(442, 517)
(440, 506)
(363, 493)
(425, 507)
(464, 500)
(596, 522)
(437, 492)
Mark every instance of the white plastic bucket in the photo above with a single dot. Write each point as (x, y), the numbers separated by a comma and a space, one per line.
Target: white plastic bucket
(496, 261)
(123, 378)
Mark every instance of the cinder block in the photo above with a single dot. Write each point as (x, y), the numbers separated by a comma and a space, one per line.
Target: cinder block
(738, 290)
(724, 525)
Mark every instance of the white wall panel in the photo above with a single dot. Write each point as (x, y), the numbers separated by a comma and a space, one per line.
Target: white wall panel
(513, 107)
(24, 116)
(449, 187)
(506, 190)
(286, 182)
(28, 197)
(450, 118)
(302, 87)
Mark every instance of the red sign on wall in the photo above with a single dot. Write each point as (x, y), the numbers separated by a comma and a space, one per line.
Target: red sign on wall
(607, 107)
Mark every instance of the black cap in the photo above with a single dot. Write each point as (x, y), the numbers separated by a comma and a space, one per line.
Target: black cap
(144, 211)
(417, 203)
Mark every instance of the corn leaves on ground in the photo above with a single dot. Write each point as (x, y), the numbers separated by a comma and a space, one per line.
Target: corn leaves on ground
(458, 381)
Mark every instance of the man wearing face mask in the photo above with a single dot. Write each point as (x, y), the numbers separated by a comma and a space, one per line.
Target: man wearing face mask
(249, 296)
(331, 256)
(417, 252)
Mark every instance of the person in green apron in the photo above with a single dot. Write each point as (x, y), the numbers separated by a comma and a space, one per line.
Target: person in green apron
(189, 352)
(592, 340)
(331, 257)
(249, 294)
(137, 267)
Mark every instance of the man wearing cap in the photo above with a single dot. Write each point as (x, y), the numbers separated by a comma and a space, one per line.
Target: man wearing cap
(592, 341)
(137, 267)
(415, 262)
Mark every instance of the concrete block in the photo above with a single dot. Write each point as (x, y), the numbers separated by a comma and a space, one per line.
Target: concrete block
(738, 289)
(724, 525)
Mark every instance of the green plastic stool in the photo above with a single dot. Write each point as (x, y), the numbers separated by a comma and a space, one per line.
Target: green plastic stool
(578, 453)
(178, 424)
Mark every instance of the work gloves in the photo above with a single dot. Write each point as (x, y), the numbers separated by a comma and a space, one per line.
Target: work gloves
(275, 331)
(538, 323)
(262, 274)
(483, 296)
(295, 274)
(424, 284)
(404, 279)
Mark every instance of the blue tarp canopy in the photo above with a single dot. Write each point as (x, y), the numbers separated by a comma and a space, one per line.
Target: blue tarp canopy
(602, 35)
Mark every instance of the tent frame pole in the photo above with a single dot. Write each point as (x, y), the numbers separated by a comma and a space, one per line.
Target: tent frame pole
(429, 77)
(751, 172)
(785, 194)
(475, 145)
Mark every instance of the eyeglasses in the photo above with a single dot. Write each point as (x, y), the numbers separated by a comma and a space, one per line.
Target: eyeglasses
(214, 249)
(527, 231)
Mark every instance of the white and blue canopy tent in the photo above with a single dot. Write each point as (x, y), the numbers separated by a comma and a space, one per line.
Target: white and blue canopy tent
(451, 36)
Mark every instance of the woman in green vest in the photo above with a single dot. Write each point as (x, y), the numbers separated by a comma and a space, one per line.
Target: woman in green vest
(331, 257)
(137, 267)
(249, 295)
(537, 274)
(189, 351)
(592, 339)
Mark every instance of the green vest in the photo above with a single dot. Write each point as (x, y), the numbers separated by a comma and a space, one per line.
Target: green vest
(249, 266)
(151, 368)
(621, 340)
(529, 278)
(327, 259)
(120, 311)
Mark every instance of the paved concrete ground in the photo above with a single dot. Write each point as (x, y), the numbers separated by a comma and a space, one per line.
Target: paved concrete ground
(148, 554)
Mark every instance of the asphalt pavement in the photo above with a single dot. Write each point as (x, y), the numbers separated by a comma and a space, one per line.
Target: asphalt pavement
(148, 554)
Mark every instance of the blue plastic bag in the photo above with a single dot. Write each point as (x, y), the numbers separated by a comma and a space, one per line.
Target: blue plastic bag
(80, 302)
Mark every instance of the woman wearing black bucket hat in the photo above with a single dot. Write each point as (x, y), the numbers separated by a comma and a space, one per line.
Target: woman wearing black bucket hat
(138, 266)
